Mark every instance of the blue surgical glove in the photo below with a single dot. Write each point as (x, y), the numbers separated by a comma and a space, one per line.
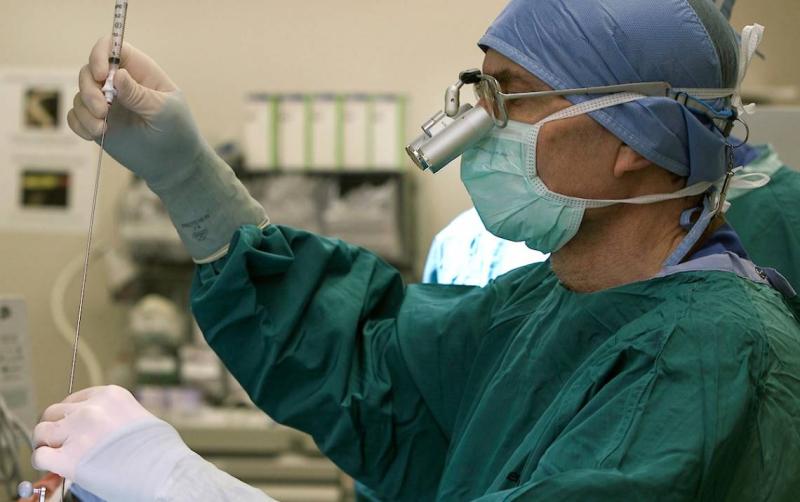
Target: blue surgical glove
(83, 495)
(151, 132)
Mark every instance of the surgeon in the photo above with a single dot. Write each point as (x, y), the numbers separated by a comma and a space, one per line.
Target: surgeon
(767, 221)
(648, 359)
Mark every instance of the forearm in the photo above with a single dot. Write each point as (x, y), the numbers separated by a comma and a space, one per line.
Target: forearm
(194, 479)
(309, 327)
(207, 204)
(133, 463)
(148, 461)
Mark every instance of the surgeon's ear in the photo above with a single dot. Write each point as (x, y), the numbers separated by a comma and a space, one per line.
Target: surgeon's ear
(628, 160)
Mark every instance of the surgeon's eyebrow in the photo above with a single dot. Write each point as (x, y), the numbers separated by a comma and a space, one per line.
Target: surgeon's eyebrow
(512, 80)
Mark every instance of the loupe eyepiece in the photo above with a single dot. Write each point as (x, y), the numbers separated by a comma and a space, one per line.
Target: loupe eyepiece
(445, 138)
(472, 76)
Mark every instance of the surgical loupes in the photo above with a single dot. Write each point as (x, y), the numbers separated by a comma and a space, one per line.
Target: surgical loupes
(449, 133)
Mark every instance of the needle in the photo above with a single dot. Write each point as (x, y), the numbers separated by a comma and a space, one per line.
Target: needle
(86, 257)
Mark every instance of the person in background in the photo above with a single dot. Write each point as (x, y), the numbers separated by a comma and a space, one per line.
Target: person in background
(465, 253)
(768, 219)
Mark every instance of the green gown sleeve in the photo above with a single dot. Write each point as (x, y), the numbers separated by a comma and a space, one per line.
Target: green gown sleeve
(326, 338)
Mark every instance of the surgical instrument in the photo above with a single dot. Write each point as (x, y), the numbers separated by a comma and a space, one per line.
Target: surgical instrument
(26, 490)
(118, 34)
(117, 38)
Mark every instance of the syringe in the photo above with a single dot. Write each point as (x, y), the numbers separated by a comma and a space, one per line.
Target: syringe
(117, 37)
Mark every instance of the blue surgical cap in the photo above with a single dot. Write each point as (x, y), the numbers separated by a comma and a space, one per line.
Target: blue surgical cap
(580, 43)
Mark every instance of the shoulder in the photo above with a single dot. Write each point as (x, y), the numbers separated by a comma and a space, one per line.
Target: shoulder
(718, 318)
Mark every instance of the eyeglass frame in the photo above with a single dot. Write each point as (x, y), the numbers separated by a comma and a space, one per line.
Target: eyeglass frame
(692, 98)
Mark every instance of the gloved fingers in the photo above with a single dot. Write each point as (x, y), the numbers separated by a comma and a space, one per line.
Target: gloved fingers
(77, 127)
(45, 458)
(99, 65)
(145, 70)
(133, 95)
(51, 481)
(58, 411)
(51, 434)
(91, 124)
(91, 94)
(98, 58)
(140, 66)
(86, 394)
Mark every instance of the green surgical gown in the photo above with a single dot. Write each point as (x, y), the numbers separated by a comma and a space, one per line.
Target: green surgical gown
(768, 220)
(685, 387)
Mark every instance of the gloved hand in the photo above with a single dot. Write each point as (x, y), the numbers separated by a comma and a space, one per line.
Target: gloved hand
(115, 450)
(151, 132)
(105, 441)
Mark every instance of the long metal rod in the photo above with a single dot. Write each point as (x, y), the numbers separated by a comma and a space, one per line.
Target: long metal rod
(86, 259)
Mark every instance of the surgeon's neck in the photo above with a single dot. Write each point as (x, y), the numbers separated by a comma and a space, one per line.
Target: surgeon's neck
(619, 245)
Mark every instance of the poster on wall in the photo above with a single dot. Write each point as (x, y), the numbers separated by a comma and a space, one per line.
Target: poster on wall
(46, 171)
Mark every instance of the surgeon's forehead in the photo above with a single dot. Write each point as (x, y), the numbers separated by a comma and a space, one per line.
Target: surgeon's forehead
(511, 76)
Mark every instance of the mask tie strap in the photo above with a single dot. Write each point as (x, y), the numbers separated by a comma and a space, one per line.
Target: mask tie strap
(750, 181)
(714, 203)
(696, 232)
(751, 39)
(583, 108)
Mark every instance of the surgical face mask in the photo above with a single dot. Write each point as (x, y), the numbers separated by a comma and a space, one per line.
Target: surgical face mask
(501, 176)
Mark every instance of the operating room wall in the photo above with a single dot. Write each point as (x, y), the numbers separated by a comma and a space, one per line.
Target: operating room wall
(781, 66)
(219, 51)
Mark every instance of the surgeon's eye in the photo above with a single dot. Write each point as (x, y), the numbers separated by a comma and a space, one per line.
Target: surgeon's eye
(486, 98)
